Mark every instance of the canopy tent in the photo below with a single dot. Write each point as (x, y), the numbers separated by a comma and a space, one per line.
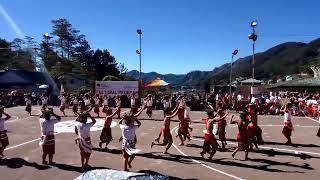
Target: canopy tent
(157, 83)
(9, 78)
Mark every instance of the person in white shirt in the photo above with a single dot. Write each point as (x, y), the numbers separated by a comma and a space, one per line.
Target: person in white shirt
(82, 129)
(63, 101)
(28, 105)
(4, 140)
(97, 105)
(47, 134)
(118, 106)
(44, 101)
(134, 107)
(166, 104)
(128, 132)
(149, 105)
(288, 127)
(105, 104)
(75, 105)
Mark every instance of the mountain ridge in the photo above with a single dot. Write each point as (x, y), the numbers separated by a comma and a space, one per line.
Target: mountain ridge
(276, 62)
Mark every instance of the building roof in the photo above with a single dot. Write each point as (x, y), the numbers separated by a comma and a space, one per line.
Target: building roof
(305, 82)
(251, 80)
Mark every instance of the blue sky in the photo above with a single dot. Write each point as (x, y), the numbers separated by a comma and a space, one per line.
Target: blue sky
(178, 35)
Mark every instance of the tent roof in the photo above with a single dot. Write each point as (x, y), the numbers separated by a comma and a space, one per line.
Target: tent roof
(10, 78)
(157, 83)
(251, 80)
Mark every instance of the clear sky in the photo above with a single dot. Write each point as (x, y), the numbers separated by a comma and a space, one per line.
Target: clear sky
(178, 35)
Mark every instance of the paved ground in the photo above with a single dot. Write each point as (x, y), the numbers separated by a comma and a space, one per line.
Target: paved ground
(274, 160)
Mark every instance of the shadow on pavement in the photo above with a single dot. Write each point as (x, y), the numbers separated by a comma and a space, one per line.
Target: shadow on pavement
(15, 163)
(168, 157)
(68, 167)
(112, 151)
(156, 173)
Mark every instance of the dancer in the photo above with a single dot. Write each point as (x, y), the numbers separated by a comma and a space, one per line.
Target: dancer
(106, 135)
(183, 114)
(134, 107)
(118, 106)
(242, 135)
(75, 105)
(105, 104)
(28, 105)
(97, 105)
(128, 132)
(288, 127)
(166, 103)
(149, 106)
(222, 126)
(4, 140)
(254, 120)
(63, 104)
(167, 137)
(82, 129)
(47, 134)
(210, 142)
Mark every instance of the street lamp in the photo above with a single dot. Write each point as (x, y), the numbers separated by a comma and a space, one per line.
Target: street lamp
(47, 37)
(235, 52)
(139, 31)
(253, 36)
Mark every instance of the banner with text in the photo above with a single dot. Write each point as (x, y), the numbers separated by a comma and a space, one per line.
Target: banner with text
(116, 88)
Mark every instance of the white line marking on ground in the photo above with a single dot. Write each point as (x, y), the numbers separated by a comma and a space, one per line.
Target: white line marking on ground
(204, 165)
(271, 148)
(22, 144)
(313, 120)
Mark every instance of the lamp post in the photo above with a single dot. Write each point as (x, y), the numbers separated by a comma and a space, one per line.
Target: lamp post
(235, 52)
(253, 36)
(139, 31)
(47, 37)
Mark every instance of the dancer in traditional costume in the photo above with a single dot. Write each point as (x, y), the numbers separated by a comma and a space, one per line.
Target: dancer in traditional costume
(63, 101)
(75, 104)
(28, 105)
(4, 140)
(242, 135)
(288, 127)
(210, 144)
(82, 129)
(106, 135)
(165, 131)
(105, 104)
(97, 105)
(118, 106)
(149, 105)
(134, 104)
(128, 132)
(47, 134)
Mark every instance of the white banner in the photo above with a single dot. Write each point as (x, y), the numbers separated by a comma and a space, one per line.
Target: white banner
(116, 88)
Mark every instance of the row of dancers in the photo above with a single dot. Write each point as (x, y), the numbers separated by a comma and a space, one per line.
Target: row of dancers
(249, 133)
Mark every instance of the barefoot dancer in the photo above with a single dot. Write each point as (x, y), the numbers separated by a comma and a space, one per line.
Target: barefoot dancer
(28, 104)
(134, 107)
(242, 136)
(149, 106)
(82, 129)
(118, 106)
(167, 137)
(106, 135)
(47, 134)
(96, 105)
(288, 127)
(4, 140)
(128, 137)
(63, 104)
(222, 127)
(210, 142)
(105, 104)
(75, 105)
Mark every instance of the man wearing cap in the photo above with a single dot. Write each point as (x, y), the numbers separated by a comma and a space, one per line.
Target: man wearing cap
(47, 134)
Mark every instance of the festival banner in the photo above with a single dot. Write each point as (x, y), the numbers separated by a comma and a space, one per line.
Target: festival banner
(116, 88)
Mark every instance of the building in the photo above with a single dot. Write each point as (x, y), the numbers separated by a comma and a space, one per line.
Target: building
(72, 82)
